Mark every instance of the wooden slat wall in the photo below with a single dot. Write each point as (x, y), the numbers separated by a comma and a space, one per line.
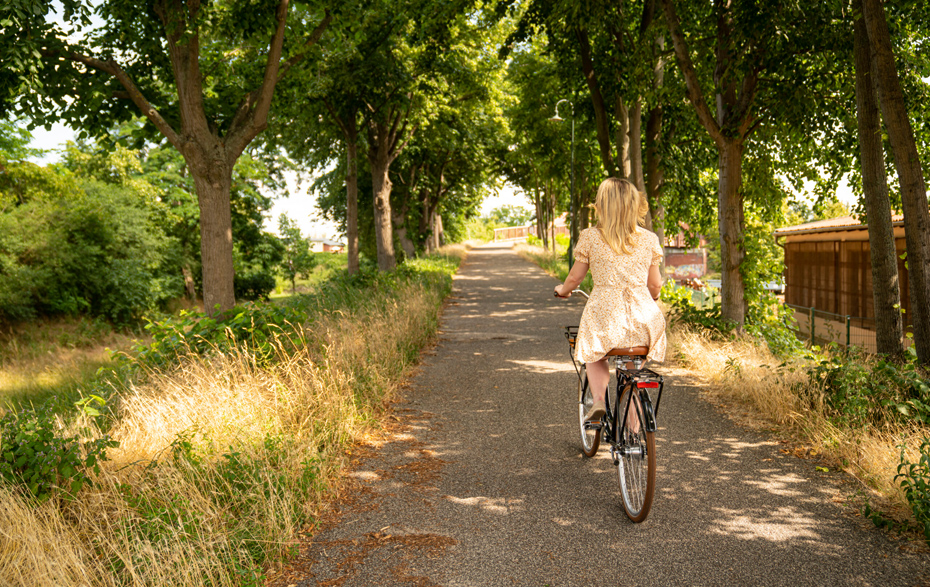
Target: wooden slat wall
(836, 276)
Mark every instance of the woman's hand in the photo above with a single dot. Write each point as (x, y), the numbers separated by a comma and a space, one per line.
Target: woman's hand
(579, 270)
(559, 289)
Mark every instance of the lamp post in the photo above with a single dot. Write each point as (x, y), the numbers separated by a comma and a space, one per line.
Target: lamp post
(571, 198)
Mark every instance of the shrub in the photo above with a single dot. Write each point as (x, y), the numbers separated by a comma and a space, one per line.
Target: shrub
(36, 456)
(859, 391)
(254, 285)
(915, 481)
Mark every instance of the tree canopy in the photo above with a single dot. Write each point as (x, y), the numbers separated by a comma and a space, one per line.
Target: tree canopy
(407, 114)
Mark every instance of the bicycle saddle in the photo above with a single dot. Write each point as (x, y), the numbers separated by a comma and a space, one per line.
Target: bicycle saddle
(636, 351)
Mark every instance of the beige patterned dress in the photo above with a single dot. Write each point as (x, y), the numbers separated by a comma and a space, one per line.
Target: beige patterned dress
(621, 312)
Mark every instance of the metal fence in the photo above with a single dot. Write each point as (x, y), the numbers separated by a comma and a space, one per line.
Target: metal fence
(818, 327)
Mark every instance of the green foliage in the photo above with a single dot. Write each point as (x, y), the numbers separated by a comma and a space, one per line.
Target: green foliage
(255, 327)
(674, 294)
(858, 392)
(72, 245)
(914, 479)
(251, 325)
(14, 142)
(37, 457)
(708, 319)
(510, 216)
(297, 259)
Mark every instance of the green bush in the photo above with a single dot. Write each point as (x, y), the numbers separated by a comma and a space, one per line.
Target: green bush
(255, 325)
(858, 391)
(254, 285)
(35, 456)
(765, 320)
(72, 246)
(915, 481)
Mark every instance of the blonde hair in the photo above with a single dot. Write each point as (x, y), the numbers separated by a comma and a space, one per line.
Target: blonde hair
(620, 207)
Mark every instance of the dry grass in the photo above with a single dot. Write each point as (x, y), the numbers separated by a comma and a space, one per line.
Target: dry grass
(54, 356)
(745, 373)
(191, 520)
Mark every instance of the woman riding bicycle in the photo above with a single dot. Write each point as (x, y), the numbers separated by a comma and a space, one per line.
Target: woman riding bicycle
(624, 261)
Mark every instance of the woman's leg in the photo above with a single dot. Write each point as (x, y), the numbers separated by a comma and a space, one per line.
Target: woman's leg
(598, 378)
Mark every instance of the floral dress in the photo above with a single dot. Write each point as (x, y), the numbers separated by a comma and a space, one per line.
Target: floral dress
(620, 312)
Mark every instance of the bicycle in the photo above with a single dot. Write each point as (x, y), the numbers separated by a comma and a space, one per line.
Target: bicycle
(629, 424)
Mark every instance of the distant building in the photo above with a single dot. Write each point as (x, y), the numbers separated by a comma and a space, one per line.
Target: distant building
(326, 246)
(684, 263)
(828, 266)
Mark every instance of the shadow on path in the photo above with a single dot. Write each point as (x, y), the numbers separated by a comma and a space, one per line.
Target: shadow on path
(481, 480)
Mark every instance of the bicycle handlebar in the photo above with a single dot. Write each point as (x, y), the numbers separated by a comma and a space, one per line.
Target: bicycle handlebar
(580, 291)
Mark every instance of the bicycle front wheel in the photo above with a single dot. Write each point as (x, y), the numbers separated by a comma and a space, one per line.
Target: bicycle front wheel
(590, 437)
(637, 460)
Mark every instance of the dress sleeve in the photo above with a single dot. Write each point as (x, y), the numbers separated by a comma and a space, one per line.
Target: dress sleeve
(657, 253)
(582, 250)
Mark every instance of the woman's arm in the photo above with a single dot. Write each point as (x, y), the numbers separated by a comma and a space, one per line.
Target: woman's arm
(575, 276)
(654, 281)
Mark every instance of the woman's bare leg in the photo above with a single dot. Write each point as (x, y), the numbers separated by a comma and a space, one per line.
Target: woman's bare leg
(598, 378)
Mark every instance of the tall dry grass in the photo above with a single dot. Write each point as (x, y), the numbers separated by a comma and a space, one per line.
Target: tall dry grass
(221, 459)
(54, 357)
(745, 372)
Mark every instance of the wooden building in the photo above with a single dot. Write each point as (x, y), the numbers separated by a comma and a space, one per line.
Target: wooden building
(827, 266)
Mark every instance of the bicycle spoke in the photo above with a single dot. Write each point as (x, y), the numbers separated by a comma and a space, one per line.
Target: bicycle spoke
(636, 470)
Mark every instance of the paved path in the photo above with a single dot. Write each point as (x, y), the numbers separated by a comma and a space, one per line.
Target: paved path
(480, 482)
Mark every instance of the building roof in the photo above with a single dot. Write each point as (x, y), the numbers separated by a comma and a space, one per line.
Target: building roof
(832, 225)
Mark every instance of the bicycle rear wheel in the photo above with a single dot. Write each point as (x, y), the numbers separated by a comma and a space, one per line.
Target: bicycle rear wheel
(590, 437)
(637, 461)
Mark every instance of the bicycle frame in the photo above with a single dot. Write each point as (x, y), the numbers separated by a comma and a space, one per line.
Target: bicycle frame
(645, 381)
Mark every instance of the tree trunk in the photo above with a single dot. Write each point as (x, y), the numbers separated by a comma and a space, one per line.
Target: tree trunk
(212, 181)
(381, 189)
(654, 177)
(399, 216)
(436, 236)
(885, 288)
(636, 145)
(352, 197)
(597, 99)
(622, 114)
(730, 222)
(910, 174)
(550, 212)
(189, 286)
(540, 215)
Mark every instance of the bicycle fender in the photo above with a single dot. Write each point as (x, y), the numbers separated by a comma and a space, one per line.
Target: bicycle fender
(649, 417)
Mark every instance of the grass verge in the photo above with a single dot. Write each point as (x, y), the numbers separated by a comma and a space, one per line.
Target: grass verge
(784, 396)
(226, 453)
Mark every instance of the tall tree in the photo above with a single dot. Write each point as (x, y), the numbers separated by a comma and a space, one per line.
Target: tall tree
(193, 69)
(885, 289)
(758, 74)
(910, 173)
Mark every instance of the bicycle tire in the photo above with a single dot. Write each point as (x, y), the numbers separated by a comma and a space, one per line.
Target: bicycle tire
(636, 466)
(590, 438)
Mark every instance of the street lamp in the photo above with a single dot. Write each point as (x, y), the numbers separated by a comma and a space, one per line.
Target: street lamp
(571, 199)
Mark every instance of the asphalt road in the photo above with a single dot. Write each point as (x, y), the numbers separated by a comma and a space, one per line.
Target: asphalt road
(481, 482)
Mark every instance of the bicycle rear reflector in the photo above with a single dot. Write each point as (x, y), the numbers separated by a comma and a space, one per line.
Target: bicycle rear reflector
(647, 384)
